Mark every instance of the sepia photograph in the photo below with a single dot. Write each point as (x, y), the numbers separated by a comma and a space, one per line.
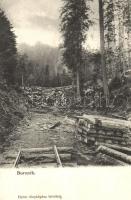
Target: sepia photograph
(65, 83)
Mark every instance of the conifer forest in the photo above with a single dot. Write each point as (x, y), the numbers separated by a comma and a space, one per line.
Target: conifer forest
(65, 83)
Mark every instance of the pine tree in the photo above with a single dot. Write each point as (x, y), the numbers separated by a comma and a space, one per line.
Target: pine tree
(120, 30)
(75, 23)
(21, 69)
(102, 47)
(8, 51)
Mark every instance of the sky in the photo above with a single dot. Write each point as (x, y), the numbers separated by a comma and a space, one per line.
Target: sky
(38, 21)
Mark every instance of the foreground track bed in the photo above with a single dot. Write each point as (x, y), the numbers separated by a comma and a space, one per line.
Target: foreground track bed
(38, 133)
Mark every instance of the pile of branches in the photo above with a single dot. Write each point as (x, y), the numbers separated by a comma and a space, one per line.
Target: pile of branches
(119, 98)
(93, 97)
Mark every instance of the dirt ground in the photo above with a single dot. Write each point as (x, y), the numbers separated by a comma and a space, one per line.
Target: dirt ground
(34, 132)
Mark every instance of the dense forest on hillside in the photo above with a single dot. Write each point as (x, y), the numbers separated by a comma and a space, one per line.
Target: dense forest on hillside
(54, 98)
(12, 102)
(71, 63)
(41, 69)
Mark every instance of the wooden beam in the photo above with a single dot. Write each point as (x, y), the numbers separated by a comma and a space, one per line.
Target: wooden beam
(17, 159)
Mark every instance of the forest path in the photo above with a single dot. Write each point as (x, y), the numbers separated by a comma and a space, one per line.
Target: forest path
(36, 133)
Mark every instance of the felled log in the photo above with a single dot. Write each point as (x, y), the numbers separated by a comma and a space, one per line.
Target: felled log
(110, 137)
(48, 149)
(47, 158)
(115, 154)
(107, 122)
(93, 132)
(125, 150)
(113, 161)
(103, 136)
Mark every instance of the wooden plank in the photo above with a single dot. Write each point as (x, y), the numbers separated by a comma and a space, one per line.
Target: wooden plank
(57, 157)
(17, 159)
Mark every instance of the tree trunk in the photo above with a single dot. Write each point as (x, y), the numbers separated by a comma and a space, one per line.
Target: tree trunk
(74, 87)
(129, 35)
(78, 85)
(129, 50)
(121, 41)
(22, 80)
(103, 64)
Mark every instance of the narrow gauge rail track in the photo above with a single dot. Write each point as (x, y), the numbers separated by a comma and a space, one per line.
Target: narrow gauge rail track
(56, 155)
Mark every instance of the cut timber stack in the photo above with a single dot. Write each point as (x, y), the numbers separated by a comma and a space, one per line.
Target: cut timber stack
(99, 129)
(41, 97)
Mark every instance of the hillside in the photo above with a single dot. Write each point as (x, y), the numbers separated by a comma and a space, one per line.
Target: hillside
(12, 109)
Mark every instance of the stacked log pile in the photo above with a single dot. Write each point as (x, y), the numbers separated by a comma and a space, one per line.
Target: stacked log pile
(41, 97)
(94, 129)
